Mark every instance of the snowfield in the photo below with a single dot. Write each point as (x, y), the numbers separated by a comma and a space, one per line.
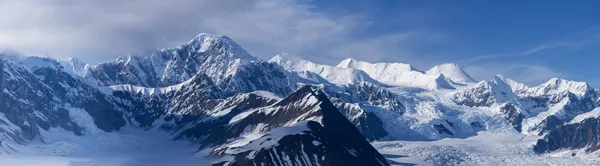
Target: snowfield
(155, 148)
(130, 147)
(211, 96)
(487, 148)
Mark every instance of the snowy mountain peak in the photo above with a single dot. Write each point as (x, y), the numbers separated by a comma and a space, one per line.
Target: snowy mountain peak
(400, 74)
(284, 57)
(288, 61)
(452, 71)
(75, 60)
(217, 56)
(441, 81)
(75, 66)
(12, 55)
(515, 86)
(346, 63)
(204, 42)
(557, 85)
(397, 67)
(10, 52)
(332, 74)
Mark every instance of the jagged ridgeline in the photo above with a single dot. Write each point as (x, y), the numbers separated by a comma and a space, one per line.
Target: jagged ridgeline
(237, 109)
(198, 92)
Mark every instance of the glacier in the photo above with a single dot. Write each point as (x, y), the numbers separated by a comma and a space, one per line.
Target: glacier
(210, 102)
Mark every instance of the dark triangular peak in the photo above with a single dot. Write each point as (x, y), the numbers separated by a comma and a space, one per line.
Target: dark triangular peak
(344, 141)
(304, 128)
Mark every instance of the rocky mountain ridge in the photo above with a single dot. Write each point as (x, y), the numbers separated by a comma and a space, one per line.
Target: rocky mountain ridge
(211, 92)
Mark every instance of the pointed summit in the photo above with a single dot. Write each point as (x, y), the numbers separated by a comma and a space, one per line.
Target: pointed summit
(283, 57)
(557, 85)
(515, 86)
(347, 63)
(205, 42)
(217, 56)
(452, 71)
(75, 66)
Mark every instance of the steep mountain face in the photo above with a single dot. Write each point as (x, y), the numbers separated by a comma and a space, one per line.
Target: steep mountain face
(535, 110)
(582, 135)
(239, 110)
(44, 97)
(216, 56)
(261, 129)
(355, 100)
(199, 109)
(318, 135)
(485, 93)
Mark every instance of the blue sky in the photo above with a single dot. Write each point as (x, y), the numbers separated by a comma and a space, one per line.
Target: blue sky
(529, 41)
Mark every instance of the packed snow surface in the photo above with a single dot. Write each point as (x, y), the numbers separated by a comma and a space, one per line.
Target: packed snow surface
(130, 147)
(446, 117)
(452, 71)
(400, 74)
(333, 74)
(487, 148)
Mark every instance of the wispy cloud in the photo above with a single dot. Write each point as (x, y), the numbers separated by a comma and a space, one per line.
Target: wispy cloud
(68, 28)
(569, 43)
(544, 47)
(100, 30)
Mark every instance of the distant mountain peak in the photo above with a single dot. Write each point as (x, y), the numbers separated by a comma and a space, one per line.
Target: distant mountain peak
(217, 56)
(354, 63)
(557, 85)
(347, 62)
(204, 42)
(332, 74)
(75, 66)
(284, 57)
(515, 86)
(452, 71)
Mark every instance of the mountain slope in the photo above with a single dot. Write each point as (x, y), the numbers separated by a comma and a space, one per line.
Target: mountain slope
(217, 56)
(235, 109)
(44, 96)
(399, 74)
(318, 135)
(332, 74)
(582, 135)
(452, 71)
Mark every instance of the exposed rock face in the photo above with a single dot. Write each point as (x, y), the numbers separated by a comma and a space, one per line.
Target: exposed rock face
(481, 95)
(512, 115)
(442, 129)
(80, 95)
(216, 56)
(325, 137)
(583, 135)
(249, 112)
(45, 97)
(200, 111)
(521, 106)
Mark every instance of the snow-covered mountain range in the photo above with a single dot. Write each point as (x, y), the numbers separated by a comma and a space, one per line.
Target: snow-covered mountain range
(235, 109)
